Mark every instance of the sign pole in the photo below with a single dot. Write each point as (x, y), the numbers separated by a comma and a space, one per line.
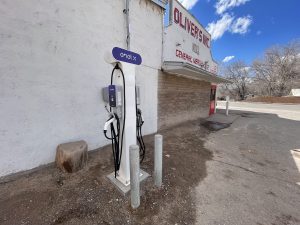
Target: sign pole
(130, 124)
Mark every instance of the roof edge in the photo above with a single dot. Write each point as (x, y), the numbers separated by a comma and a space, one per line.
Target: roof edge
(161, 3)
(172, 66)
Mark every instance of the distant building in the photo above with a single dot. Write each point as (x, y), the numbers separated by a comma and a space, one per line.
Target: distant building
(295, 92)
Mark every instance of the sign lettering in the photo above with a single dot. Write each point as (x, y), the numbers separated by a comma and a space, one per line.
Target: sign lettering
(196, 49)
(196, 61)
(187, 24)
(126, 56)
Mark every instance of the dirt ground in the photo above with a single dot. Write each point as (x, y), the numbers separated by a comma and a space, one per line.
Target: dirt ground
(48, 196)
(270, 99)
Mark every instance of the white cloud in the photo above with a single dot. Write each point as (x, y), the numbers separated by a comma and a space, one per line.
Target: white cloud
(227, 22)
(223, 5)
(241, 25)
(228, 58)
(218, 28)
(188, 4)
(230, 24)
(247, 68)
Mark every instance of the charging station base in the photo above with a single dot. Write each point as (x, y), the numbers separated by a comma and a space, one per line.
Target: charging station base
(124, 189)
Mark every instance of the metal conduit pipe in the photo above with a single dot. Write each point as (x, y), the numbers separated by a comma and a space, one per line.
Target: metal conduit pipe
(126, 12)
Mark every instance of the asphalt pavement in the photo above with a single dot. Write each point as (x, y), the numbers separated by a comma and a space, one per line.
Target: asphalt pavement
(254, 177)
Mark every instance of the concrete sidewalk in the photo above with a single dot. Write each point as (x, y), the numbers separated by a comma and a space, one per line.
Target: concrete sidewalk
(287, 111)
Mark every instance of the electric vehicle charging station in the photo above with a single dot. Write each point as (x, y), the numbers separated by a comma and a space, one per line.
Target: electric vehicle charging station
(122, 97)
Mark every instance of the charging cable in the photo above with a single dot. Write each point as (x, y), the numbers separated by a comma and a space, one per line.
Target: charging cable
(113, 122)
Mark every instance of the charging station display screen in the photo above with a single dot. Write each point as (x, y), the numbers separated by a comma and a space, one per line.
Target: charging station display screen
(112, 95)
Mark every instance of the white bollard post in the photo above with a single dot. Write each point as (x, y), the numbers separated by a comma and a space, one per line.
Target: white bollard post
(158, 160)
(134, 156)
(227, 105)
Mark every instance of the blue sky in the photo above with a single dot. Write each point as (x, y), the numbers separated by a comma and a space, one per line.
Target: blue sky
(243, 29)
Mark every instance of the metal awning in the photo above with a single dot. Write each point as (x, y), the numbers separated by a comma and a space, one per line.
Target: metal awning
(192, 72)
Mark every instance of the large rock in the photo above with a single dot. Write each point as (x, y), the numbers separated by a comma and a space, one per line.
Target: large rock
(71, 157)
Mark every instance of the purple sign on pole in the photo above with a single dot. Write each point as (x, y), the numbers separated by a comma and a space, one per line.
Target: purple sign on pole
(126, 56)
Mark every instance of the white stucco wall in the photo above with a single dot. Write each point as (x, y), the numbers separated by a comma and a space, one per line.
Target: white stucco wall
(52, 71)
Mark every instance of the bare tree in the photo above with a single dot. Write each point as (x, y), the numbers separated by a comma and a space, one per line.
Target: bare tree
(239, 73)
(278, 68)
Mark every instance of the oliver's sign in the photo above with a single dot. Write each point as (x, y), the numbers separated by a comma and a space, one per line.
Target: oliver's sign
(189, 26)
(186, 40)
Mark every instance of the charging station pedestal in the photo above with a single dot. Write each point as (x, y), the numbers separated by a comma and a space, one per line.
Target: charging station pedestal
(122, 181)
